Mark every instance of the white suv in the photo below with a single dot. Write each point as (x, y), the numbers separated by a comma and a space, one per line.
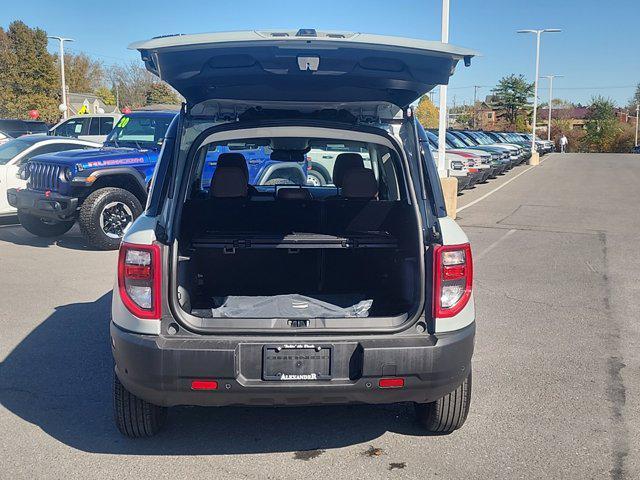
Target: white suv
(230, 293)
(94, 128)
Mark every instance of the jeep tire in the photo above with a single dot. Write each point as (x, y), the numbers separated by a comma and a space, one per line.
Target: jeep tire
(135, 417)
(447, 413)
(42, 227)
(315, 178)
(106, 214)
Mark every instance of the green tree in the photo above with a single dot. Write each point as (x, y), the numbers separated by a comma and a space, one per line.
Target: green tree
(82, 74)
(106, 95)
(602, 126)
(161, 93)
(511, 98)
(427, 113)
(28, 78)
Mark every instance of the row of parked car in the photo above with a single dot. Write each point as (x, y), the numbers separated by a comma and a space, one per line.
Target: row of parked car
(475, 156)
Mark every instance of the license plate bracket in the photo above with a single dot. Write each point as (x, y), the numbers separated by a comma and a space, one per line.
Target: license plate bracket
(297, 362)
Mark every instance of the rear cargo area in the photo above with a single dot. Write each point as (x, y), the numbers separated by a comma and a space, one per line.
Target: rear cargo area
(297, 258)
(345, 250)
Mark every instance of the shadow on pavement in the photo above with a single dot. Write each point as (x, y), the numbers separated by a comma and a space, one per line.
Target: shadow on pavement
(19, 236)
(60, 378)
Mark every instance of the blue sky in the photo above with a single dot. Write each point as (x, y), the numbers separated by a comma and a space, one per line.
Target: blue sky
(598, 51)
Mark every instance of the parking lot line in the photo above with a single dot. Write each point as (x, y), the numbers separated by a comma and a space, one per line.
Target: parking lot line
(495, 244)
(499, 187)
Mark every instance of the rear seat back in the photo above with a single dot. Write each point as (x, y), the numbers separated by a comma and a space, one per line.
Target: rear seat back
(360, 183)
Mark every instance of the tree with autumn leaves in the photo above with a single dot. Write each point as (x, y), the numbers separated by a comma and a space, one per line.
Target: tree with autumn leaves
(427, 113)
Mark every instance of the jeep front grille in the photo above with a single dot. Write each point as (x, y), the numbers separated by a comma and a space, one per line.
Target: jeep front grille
(44, 176)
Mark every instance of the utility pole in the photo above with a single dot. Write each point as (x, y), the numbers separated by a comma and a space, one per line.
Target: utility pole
(550, 78)
(475, 101)
(535, 88)
(442, 120)
(63, 105)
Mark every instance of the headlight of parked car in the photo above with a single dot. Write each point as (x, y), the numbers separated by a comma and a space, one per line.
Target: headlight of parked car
(24, 171)
(65, 174)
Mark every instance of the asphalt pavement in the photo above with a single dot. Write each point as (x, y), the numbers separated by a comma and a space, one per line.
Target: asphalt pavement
(556, 369)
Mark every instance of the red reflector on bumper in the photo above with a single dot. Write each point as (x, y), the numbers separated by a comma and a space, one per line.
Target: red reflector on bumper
(391, 383)
(204, 385)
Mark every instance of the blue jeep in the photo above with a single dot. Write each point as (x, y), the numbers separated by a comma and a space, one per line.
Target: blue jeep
(105, 189)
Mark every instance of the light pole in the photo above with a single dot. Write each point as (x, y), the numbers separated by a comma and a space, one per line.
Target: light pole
(550, 77)
(535, 88)
(442, 117)
(475, 101)
(64, 87)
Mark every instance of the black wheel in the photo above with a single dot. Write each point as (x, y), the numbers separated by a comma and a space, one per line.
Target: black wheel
(135, 417)
(105, 216)
(315, 179)
(447, 413)
(43, 227)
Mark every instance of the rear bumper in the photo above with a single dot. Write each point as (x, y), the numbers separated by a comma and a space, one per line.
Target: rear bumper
(52, 205)
(160, 369)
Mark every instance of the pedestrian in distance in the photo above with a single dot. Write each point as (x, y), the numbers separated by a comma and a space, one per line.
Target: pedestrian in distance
(563, 143)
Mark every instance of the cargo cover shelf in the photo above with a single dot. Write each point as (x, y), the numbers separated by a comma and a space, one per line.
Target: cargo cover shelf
(293, 241)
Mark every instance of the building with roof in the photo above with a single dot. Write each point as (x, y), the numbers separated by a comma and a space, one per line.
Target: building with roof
(79, 103)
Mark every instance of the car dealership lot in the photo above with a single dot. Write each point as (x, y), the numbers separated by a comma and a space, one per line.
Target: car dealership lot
(556, 388)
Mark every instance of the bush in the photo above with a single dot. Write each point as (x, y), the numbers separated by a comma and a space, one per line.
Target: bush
(625, 140)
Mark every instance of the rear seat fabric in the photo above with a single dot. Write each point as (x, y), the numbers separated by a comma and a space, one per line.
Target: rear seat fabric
(359, 183)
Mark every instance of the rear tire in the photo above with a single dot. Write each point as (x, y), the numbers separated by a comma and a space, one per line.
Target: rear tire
(36, 226)
(447, 413)
(123, 204)
(315, 179)
(135, 417)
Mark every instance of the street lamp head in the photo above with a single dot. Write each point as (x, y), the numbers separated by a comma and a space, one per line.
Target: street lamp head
(61, 39)
(542, 30)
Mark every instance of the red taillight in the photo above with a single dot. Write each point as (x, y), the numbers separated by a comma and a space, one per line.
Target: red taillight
(452, 279)
(204, 385)
(139, 279)
(391, 383)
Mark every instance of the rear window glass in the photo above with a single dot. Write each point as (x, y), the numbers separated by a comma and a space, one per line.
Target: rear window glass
(307, 162)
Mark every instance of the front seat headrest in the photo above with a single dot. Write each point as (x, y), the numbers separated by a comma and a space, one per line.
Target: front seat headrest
(229, 182)
(360, 183)
(345, 162)
(233, 159)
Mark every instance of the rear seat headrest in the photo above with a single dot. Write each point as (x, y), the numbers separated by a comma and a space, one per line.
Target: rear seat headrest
(360, 183)
(293, 194)
(229, 182)
(344, 163)
(233, 159)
